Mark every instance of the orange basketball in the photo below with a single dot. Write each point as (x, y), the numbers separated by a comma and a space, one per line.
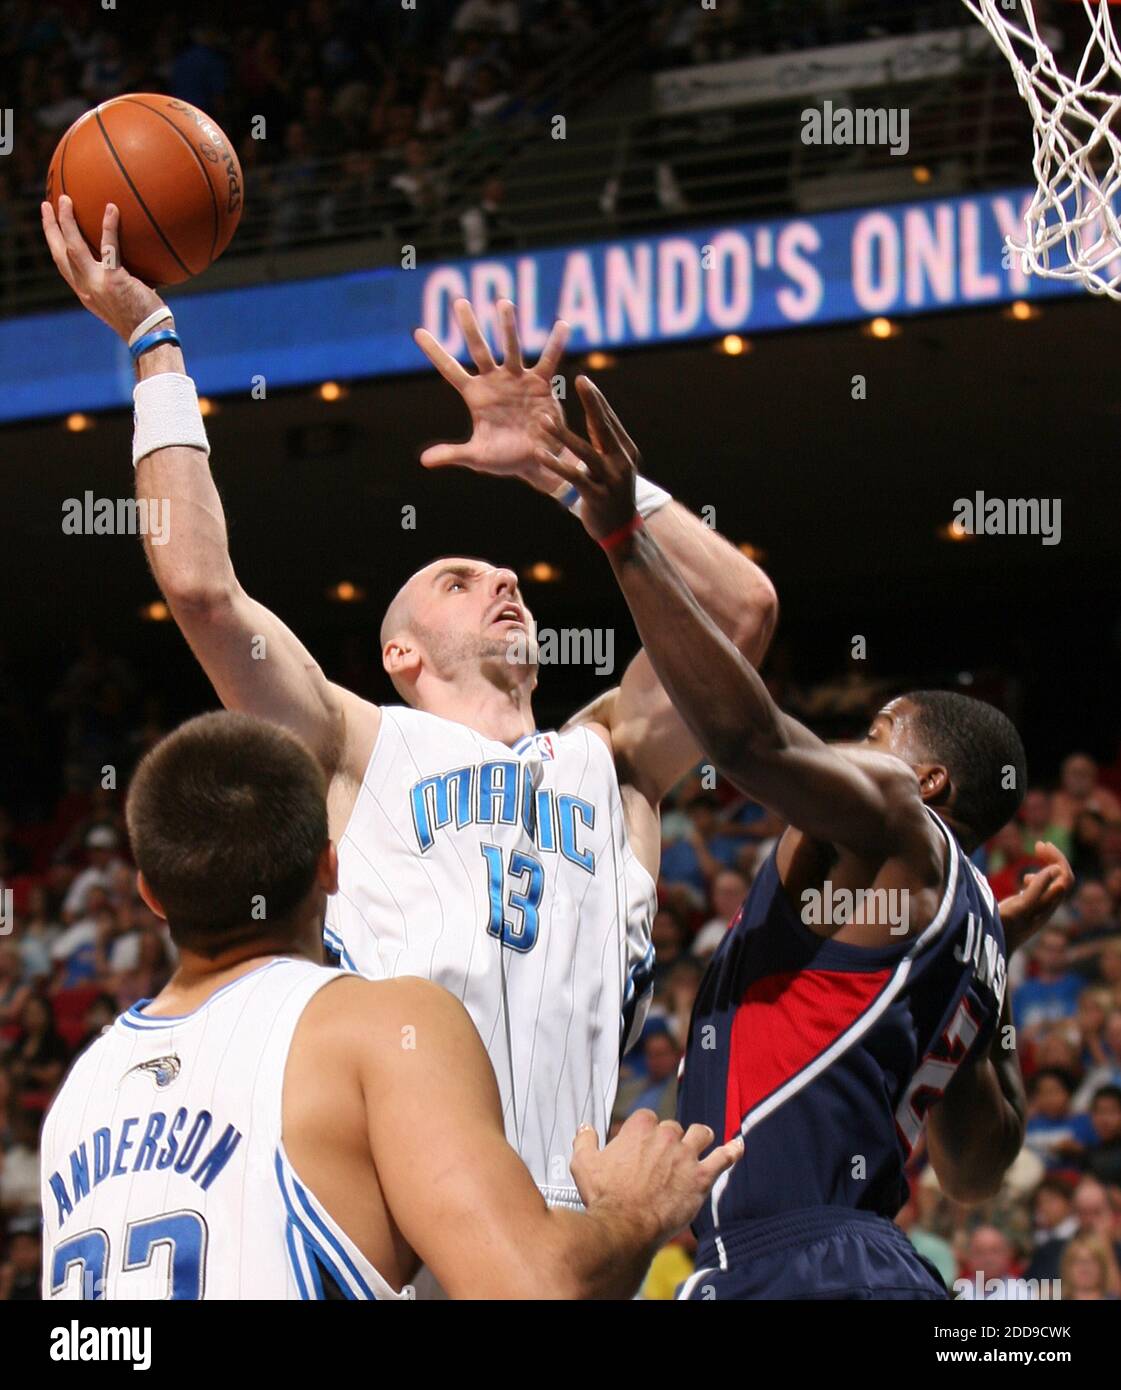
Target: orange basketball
(172, 172)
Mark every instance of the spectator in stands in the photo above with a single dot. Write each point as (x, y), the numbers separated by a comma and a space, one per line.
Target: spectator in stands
(1086, 1270)
(19, 1164)
(1054, 1222)
(99, 1016)
(76, 951)
(20, 1273)
(39, 1056)
(200, 72)
(62, 106)
(670, 937)
(1079, 791)
(1097, 1217)
(1052, 991)
(1053, 1131)
(1106, 1070)
(37, 934)
(14, 993)
(1103, 1157)
(104, 70)
(992, 1255)
(680, 995)
(1006, 861)
(102, 844)
(487, 17)
(324, 133)
(1086, 844)
(488, 93)
(1038, 824)
(1093, 1010)
(484, 224)
(729, 889)
(1109, 969)
(698, 857)
(657, 1090)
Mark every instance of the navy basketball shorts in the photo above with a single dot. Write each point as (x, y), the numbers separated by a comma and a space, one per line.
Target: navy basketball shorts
(813, 1252)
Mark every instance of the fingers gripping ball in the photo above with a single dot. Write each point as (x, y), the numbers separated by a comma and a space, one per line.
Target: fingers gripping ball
(169, 168)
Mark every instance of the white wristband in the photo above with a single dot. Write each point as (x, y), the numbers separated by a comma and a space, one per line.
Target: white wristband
(165, 415)
(156, 316)
(649, 497)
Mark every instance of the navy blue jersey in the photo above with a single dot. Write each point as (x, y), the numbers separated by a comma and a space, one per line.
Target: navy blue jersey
(826, 1056)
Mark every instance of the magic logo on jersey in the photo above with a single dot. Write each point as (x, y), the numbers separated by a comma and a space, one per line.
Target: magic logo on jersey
(502, 792)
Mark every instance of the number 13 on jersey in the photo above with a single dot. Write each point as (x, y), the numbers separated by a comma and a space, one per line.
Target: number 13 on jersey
(520, 885)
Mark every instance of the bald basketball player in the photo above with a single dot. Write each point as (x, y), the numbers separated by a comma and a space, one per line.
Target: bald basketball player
(514, 866)
(268, 1128)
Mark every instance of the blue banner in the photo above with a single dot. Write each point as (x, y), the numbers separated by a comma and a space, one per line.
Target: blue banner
(745, 277)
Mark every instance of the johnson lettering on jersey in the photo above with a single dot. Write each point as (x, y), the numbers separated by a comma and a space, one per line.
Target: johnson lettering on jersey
(163, 1168)
(505, 875)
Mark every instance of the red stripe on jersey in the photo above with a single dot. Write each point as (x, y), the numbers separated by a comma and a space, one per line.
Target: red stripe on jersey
(783, 1023)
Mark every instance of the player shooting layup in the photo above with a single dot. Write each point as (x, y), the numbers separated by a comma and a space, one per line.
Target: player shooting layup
(266, 1128)
(514, 867)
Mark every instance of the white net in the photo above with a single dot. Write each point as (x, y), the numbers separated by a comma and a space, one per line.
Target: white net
(1071, 230)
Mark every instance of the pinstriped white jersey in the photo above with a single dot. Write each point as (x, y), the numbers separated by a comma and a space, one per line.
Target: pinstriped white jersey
(164, 1173)
(505, 875)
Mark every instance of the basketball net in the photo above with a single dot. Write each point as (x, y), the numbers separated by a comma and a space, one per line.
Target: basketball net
(1077, 159)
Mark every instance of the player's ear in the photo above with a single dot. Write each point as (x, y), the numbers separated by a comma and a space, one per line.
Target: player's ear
(144, 889)
(400, 658)
(935, 786)
(327, 870)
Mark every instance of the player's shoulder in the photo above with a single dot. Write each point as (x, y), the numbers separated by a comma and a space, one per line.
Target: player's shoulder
(353, 1010)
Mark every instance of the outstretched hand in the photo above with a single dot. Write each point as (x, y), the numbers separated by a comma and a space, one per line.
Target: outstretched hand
(601, 468)
(104, 286)
(1025, 912)
(503, 400)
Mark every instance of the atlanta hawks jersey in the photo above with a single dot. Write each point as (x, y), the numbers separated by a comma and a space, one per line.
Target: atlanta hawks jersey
(505, 875)
(164, 1173)
(827, 1056)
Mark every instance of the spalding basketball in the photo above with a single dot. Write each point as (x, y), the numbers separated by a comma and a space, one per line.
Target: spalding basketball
(172, 172)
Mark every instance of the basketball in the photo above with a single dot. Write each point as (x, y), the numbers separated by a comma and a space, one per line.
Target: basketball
(170, 169)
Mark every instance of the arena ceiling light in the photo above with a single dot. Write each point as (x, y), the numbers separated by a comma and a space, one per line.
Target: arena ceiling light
(346, 592)
(1020, 311)
(542, 572)
(732, 345)
(331, 391)
(881, 328)
(77, 423)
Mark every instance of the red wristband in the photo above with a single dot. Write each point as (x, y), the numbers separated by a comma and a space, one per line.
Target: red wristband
(614, 539)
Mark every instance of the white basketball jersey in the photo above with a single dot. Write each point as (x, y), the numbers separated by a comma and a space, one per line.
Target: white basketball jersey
(505, 875)
(163, 1168)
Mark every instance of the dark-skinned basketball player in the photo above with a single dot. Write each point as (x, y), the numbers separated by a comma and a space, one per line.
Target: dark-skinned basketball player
(858, 998)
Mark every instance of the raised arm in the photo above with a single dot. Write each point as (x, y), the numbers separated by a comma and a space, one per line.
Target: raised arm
(863, 800)
(652, 746)
(254, 662)
(461, 1196)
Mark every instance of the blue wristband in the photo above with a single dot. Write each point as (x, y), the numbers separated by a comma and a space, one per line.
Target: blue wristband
(153, 339)
(570, 498)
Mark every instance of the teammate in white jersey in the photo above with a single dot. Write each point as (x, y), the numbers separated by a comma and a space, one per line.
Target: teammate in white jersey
(515, 868)
(269, 1128)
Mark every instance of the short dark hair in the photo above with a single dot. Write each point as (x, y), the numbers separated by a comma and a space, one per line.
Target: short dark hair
(1059, 1074)
(1107, 1092)
(979, 746)
(227, 813)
